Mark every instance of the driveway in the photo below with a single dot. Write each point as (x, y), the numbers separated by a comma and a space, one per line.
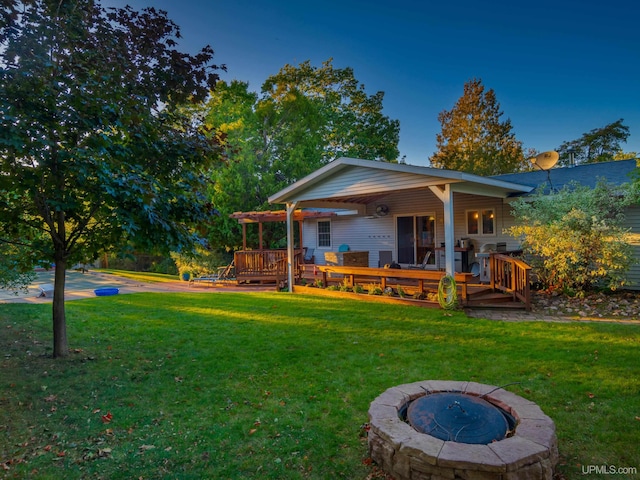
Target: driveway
(82, 285)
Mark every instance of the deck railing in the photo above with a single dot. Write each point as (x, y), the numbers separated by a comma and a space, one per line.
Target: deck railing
(513, 276)
(263, 264)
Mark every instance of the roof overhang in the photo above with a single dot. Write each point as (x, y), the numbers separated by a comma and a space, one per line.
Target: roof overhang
(353, 181)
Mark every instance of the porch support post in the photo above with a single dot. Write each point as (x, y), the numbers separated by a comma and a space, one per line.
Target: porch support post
(244, 236)
(291, 207)
(449, 246)
(446, 197)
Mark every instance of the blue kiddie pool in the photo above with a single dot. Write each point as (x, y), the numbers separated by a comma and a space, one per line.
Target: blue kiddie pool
(106, 291)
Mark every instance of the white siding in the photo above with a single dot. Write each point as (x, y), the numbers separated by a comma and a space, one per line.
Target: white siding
(358, 181)
(633, 222)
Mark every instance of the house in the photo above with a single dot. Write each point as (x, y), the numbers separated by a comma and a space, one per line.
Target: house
(403, 213)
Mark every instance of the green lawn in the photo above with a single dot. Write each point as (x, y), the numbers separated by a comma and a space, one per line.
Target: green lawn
(273, 385)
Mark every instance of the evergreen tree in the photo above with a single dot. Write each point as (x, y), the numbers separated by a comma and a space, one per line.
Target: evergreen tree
(598, 145)
(474, 139)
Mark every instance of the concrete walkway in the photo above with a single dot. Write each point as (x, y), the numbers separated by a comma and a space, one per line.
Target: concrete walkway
(82, 285)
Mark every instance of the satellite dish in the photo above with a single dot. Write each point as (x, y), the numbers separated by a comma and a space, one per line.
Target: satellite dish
(382, 210)
(545, 160)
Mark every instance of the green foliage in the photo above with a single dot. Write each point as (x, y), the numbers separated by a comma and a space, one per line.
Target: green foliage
(344, 286)
(474, 139)
(15, 273)
(304, 117)
(598, 145)
(201, 262)
(94, 152)
(575, 237)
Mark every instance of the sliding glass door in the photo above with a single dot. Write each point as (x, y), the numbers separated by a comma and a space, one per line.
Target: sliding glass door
(415, 236)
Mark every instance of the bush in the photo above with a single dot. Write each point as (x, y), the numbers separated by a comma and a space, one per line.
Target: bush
(202, 262)
(574, 238)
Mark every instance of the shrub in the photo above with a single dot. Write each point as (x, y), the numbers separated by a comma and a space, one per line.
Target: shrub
(201, 262)
(574, 238)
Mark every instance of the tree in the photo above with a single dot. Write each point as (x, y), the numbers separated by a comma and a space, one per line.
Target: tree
(597, 145)
(474, 139)
(574, 238)
(303, 118)
(94, 150)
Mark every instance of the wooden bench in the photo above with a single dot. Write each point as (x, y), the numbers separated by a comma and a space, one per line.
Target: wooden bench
(383, 275)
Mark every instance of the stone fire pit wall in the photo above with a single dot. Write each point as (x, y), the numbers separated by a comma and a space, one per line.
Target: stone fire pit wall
(406, 454)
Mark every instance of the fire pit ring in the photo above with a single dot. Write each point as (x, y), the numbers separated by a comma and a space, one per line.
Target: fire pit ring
(528, 451)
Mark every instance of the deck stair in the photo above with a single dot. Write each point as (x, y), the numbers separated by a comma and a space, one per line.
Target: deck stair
(489, 299)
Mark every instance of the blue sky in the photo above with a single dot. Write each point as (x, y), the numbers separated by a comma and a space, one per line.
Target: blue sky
(559, 68)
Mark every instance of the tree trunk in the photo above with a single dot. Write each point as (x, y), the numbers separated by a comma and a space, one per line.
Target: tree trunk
(60, 343)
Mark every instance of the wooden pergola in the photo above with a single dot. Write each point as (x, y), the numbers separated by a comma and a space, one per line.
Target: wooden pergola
(246, 218)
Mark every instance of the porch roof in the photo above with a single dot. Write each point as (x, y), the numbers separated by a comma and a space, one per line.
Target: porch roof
(358, 181)
(279, 215)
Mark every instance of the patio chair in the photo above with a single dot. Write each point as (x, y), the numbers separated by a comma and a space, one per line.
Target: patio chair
(424, 264)
(222, 273)
(308, 255)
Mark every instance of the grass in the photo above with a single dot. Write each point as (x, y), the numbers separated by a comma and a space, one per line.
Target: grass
(273, 385)
(142, 276)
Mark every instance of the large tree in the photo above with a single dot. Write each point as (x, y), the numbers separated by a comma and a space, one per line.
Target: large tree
(304, 117)
(94, 152)
(474, 138)
(598, 145)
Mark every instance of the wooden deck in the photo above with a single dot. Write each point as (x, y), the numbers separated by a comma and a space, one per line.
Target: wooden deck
(508, 288)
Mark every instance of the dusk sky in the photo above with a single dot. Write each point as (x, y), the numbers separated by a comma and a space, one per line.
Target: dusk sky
(559, 68)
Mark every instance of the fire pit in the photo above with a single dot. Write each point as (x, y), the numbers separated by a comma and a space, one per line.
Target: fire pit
(460, 430)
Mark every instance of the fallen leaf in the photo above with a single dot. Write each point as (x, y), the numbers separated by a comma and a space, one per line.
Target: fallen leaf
(252, 431)
(590, 395)
(638, 418)
(104, 452)
(106, 418)
(144, 448)
(50, 398)
(61, 454)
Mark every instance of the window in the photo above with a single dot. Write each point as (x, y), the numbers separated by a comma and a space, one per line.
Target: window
(324, 233)
(481, 222)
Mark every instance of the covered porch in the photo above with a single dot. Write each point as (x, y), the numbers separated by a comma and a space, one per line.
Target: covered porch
(382, 196)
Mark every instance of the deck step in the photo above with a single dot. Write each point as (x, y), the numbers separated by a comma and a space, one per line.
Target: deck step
(494, 300)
